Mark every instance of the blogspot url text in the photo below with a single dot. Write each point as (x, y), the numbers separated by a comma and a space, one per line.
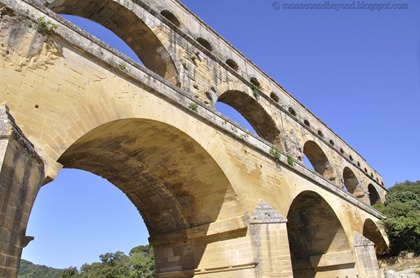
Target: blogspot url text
(327, 5)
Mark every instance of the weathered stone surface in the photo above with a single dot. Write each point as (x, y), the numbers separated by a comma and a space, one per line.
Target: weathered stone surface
(265, 214)
(21, 176)
(196, 177)
(366, 261)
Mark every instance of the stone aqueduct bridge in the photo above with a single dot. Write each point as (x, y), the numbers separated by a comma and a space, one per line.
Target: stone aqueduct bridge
(218, 201)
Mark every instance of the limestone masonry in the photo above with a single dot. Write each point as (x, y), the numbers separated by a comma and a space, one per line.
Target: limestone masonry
(218, 201)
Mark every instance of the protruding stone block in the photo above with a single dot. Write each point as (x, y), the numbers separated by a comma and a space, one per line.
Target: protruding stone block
(366, 261)
(270, 242)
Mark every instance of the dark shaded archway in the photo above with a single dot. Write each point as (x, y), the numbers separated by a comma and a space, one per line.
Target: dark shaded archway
(351, 183)
(374, 197)
(255, 114)
(172, 181)
(317, 241)
(126, 25)
(319, 160)
(371, 231)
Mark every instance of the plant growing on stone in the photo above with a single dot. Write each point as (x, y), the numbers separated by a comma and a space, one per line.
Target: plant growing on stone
(275, 153)
(46, 25)
(290, 160)
(256, 91)
(122, 66)
(193, 106)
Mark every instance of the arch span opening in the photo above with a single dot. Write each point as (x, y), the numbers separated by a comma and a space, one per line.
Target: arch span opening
(127, 26)
(318, 160)
(104, 34)
(78, 217)
(164, 172)
(170, 178)
(372, 232)
(234, 115)
(374, 197)
(351, 183)
(317, 241)
(255, 114)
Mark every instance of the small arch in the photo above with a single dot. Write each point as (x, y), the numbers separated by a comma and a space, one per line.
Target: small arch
(255, 82)
(374, 197)
(254, 113)
(358, 164)
(320, 133)
(292, 111)
(341, 150)
(274, 96)
(232, 64)
(205, 43)
(351, 157)
(366, 170)
(171, 17)
(209, 97)
(372, 232)
(306, 122)
(352, 183)
(318, 160)
(332, 143)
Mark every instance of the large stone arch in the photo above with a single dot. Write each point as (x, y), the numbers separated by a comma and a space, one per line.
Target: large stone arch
(318, 243)
(173, 182)
(319, 160)
(374, 197)
(371, 231)
(127, 24)
(254, 113)
(352, 184)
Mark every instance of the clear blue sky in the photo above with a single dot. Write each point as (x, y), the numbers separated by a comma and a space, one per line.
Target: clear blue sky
(357, 70)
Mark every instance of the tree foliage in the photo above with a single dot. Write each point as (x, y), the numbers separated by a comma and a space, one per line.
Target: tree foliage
(402, 208)
(139, 264)
(31, 270)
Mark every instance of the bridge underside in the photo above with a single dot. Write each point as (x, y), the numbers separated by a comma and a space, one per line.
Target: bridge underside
(217, 200)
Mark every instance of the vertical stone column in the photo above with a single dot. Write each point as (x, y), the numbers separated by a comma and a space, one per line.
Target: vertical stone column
(365, 255)
(270, 242)
(21, 176)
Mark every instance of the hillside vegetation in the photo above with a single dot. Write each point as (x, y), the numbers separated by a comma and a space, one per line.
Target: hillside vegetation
(138, 264)
(30, 270)
(402, 209)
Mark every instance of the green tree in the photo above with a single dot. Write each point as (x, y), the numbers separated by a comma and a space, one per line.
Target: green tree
(402, 208)
(143, 262)
(140, 264)
(70, 272)
(112, 265)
